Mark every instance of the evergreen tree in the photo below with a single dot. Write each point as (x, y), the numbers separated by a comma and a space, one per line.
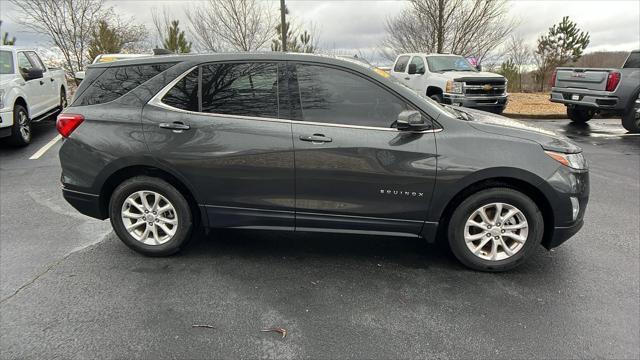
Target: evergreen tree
(175, 40)
(104, 40)
(5, 38)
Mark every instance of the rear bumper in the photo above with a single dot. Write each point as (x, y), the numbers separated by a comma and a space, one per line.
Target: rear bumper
(87, 204)
(586, 99)
(476, 102)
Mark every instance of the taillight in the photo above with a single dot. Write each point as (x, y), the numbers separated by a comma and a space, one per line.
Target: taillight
(66, 123)
(552, 81)
(612, 80)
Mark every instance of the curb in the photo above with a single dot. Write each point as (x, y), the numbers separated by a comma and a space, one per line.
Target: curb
(536, 116)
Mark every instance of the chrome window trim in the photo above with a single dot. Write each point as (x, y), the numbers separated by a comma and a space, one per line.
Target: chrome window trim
(157, 102)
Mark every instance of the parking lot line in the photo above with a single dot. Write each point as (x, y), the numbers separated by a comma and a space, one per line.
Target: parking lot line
(46, 147)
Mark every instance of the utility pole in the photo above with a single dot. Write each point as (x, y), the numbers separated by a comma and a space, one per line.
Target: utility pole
(283, 25)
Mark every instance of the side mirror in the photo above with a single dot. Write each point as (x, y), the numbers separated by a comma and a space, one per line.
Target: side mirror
(33, 74)
(411, 120)
(412, 69)
(78, 77)
(479, 67)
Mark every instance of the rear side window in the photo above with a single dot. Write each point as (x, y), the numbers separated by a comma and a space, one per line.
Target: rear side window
(244, 89)
(633, 62)
(329, 95)
(401, 64)
(184, 95)
(117, 81)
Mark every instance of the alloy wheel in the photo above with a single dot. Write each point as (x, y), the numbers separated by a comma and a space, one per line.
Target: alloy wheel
(149, 217)
(24, 126)
(496, 231)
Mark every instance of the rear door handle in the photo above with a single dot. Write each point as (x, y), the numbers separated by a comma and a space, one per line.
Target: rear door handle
(52, 80)
(316, 138)
(176, 126)
(407, 78)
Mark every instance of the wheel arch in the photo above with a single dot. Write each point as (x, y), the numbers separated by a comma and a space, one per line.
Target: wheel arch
(434, 90)
(117, 177)
(527, 186)
(21, 101)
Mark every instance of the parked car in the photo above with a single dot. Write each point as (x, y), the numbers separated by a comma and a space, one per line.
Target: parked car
(29, 92)
(298, 142)
(451, 79)
(589, 91)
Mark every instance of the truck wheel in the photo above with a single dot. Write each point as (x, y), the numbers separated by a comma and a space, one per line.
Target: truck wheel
(495, 229)
(21, 129)
(631, 121)
(580, 115)
(63, 99)
(437, 98)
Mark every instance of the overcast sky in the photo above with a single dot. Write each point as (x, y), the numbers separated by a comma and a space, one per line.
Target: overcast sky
(349, 25)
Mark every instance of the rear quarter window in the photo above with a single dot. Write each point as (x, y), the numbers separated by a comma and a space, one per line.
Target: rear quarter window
(117, 81)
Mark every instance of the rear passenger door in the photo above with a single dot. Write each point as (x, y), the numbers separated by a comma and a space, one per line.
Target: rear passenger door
(354, 169)
(219, 128)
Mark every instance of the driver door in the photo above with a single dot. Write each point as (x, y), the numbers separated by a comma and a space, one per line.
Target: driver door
(354, 170)
(418, 81)
(35, 89)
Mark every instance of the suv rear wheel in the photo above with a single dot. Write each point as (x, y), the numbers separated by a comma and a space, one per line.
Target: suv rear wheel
(150, 216)
(580, 114)
(495, 229)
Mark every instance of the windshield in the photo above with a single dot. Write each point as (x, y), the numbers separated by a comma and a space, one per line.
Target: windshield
(449, 63)
(6, 62)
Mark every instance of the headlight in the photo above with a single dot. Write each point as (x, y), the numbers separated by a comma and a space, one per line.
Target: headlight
(574, 161)
(454, 87)
(1, 98)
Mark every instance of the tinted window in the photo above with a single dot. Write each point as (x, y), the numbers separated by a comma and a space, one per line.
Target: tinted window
(6, 62)
(419, 64)
(184, 95)
(633, 61)
(335, 96)
(245, 89)
(449, 63)
(401, 64)
(117, 81)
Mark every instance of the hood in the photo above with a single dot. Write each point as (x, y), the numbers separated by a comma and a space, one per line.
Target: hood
(501, 125)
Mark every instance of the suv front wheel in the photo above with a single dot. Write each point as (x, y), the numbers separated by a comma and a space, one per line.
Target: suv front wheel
(150, 216)
(495, 229)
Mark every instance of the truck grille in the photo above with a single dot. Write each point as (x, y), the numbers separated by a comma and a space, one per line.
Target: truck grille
(484, 87)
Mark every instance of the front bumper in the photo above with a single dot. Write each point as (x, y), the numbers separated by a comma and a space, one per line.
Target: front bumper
(476, 102)
(6, 121)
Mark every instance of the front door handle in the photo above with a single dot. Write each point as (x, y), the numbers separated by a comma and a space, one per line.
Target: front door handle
(407, 78)
(176, 126)
(41, 82)
(316, 138)
(51, 79)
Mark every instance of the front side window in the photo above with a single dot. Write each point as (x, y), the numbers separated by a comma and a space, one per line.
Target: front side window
(449, 63)
(417, 60)
(35, 60)
(184, 95)
(6, 62)
(329, 95)
(119, 80)
(243, 89)
(401, 64)
(23, 63)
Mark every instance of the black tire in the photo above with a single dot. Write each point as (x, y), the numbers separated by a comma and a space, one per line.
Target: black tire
(462, 213)
(437, 98)
(18, 136)
(631, 121)
(63, 99)
(183, 212)
(580, 115)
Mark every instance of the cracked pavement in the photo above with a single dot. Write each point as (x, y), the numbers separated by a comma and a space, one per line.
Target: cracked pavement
(70, 289)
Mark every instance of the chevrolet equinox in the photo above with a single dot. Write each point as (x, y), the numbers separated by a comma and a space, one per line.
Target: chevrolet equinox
(276, 141)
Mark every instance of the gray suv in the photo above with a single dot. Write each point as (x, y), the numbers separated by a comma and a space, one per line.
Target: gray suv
(278, 141)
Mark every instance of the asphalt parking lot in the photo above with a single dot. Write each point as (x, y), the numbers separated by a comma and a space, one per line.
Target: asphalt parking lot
(70, 289)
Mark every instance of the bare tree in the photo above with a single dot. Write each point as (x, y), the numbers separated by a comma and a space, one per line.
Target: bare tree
(520, 54)
(464, 27)
(239, 25)
(67, 23)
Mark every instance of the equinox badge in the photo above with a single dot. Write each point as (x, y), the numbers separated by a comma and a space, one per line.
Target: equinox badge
(401, 193)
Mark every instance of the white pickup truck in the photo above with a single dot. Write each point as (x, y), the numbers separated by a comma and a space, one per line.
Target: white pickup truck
(29, 92)
(451, 79)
